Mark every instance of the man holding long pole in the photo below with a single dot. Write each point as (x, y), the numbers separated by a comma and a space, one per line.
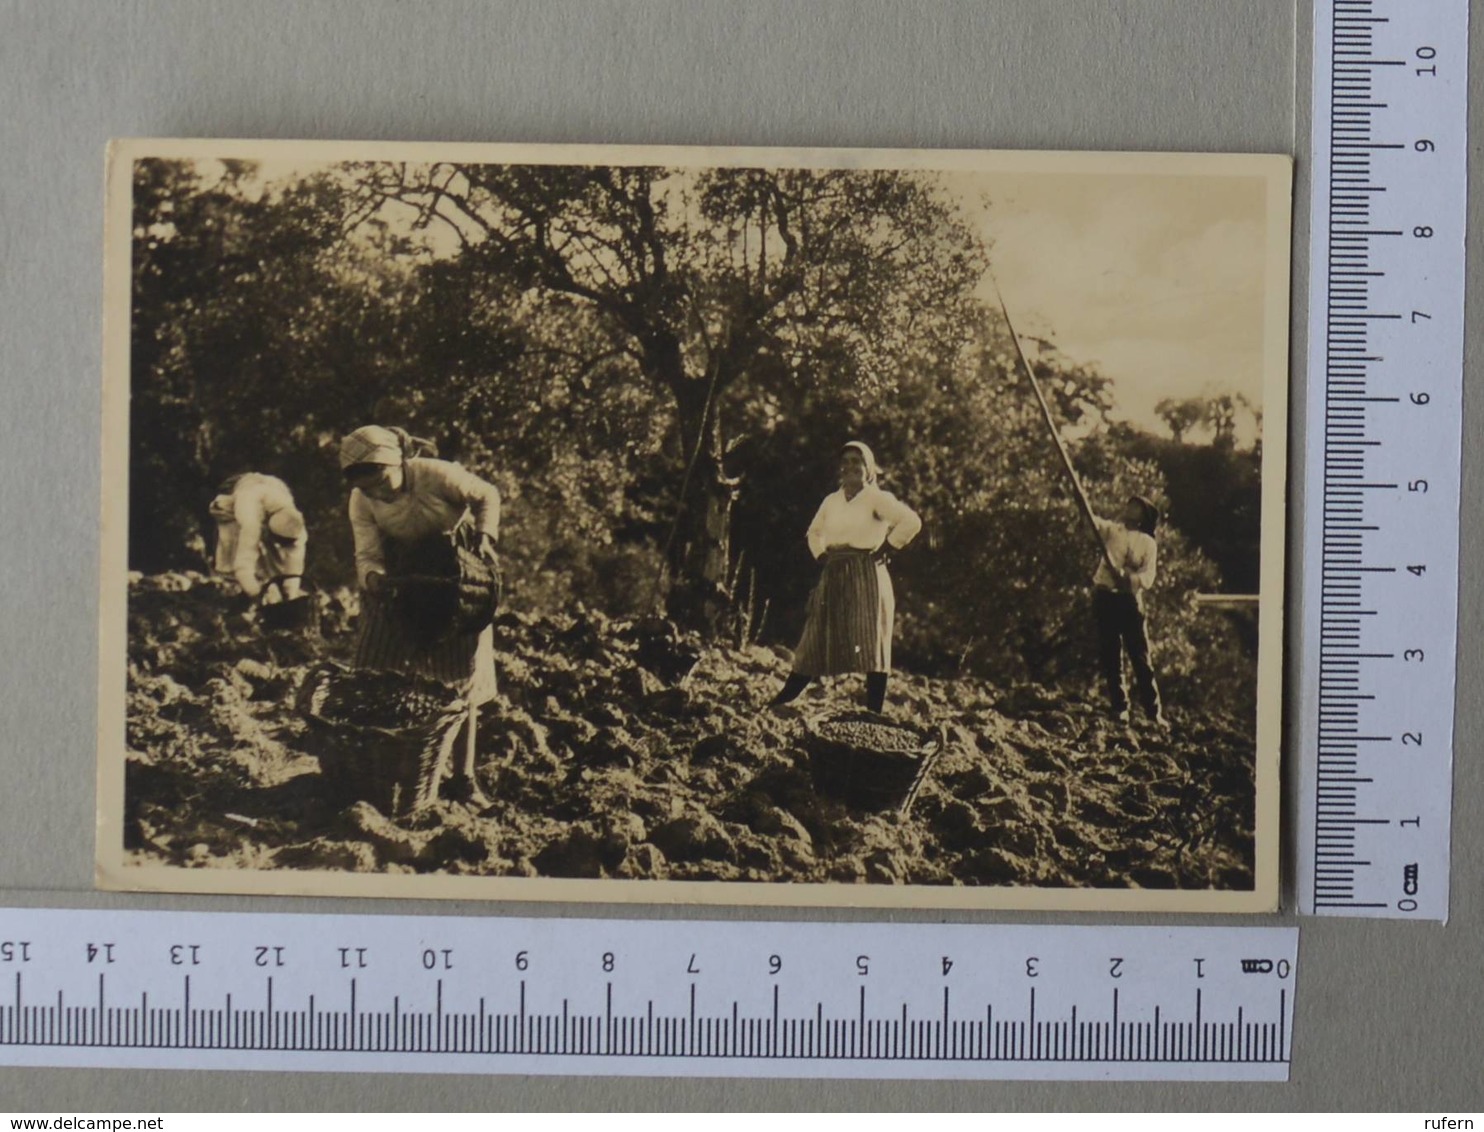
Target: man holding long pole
(1126, 570)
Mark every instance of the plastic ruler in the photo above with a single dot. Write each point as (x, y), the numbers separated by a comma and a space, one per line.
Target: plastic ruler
(446, 994)
(1380, 575)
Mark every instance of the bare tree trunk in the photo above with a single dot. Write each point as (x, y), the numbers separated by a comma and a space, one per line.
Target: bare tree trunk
(699, 553)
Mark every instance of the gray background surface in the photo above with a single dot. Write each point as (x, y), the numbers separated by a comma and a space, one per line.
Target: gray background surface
(1389, 1015)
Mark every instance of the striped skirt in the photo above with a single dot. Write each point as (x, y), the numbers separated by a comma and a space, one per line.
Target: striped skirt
(850, 618)
(465, 662)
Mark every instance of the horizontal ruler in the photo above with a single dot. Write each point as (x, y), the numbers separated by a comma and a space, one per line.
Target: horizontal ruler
(1380, 569)
(643, 998)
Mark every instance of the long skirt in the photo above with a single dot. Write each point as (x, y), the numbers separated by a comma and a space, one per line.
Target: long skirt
(281, 559)
(850, 617)
(281, 548)
(465, 661)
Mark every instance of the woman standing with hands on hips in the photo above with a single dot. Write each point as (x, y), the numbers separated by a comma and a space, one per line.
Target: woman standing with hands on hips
(853, 605)
(400, 496)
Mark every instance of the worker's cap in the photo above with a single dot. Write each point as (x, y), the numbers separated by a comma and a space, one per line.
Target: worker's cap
(1147, 505)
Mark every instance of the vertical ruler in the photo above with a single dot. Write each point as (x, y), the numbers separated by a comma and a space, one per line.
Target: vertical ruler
(445, 994)
(1385, 382)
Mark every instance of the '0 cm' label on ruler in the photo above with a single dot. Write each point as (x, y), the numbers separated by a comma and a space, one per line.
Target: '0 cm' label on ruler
(1382, 489)
(643, 997)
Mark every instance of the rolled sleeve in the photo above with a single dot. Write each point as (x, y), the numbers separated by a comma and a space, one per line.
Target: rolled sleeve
(370, 552)
(815, 535)
(249, 513)
(1141, 574)
(459, 485)
(903, 523)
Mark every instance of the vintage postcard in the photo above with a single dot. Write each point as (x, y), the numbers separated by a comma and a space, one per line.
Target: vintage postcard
(764, 526)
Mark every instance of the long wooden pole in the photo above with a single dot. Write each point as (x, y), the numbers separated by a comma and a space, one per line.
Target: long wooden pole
(1066, 457)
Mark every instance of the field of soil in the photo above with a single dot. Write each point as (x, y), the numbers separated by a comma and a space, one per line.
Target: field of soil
(620, 749)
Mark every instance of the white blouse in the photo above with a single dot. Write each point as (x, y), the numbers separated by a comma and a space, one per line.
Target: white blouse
(436, 497)
(259, 505)
(872, 517)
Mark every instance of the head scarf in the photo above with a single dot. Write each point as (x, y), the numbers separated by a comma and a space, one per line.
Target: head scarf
(871, 470)
(371, 444)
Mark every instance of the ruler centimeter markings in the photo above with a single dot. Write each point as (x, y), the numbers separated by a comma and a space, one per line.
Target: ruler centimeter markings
(643, 997)
(1385, 384)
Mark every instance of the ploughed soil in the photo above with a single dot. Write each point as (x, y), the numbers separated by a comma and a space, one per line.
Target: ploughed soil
(624, 749)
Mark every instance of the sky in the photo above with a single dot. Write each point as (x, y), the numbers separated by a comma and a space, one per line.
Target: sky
(1157, 280)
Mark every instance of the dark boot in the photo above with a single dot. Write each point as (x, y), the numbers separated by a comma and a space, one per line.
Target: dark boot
(792, 688)
(875, 691)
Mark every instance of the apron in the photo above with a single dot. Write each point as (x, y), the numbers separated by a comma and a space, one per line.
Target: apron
(850, 617)
(464, 661)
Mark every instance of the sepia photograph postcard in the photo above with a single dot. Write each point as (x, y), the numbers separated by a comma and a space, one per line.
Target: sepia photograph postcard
(880, 528)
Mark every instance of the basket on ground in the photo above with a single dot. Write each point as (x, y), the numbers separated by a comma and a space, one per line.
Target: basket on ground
(869, 761)
(377, 735)
(293, 615)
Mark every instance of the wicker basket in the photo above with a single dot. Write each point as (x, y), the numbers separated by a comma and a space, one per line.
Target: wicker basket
(869, 762)
(373, 764)
(386, 766)
(296, 615)
(441, 588)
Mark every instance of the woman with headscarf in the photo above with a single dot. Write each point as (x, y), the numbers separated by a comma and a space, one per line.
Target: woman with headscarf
(401, 495)
(853, 606)
(260, 535)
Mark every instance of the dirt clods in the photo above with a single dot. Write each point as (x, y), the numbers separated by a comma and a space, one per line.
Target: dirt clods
(629, 749)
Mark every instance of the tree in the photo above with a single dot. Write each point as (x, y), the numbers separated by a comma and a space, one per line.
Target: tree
(1218, 414)
(1181, 414)
(259, 333)
(729, 291)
